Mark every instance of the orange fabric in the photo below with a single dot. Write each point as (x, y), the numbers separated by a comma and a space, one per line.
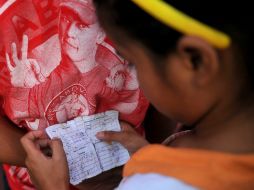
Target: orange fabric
(203, 169)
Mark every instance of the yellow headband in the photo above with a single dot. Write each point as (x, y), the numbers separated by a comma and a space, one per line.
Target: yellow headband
(183, 23)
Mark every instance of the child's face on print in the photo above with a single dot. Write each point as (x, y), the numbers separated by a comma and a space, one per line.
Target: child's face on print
(78, 37)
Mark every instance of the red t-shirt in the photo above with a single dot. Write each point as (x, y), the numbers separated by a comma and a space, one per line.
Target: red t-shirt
(55, 65)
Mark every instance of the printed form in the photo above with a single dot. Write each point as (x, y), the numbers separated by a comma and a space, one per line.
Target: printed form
(86, 155)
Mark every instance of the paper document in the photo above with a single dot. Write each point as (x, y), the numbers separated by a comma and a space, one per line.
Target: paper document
(86, 155)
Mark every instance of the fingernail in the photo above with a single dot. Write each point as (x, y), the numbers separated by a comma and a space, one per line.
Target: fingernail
(100, 135)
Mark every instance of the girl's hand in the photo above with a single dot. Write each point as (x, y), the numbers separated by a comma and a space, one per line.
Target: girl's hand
(128, 137)
(48, 169)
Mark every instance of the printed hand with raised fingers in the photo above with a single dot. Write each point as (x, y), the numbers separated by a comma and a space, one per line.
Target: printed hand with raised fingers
(25, 72)
(128, 137)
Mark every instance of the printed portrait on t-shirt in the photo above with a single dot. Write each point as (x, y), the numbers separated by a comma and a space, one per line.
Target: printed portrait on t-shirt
(56, 64)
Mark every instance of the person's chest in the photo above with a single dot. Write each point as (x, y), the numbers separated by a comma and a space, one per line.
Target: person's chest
(63, 96)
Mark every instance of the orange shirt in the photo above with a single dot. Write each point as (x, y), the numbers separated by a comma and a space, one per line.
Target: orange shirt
(202, 169)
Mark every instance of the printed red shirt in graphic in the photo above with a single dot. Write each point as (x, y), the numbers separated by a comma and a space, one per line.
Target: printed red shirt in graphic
(57, 64)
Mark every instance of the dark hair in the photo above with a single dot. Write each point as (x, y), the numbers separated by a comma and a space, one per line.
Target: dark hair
(232, 17)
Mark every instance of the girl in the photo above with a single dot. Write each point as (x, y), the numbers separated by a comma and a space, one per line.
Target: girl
(195, 64)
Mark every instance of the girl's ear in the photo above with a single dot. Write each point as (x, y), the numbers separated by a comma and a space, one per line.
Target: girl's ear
(199, 57)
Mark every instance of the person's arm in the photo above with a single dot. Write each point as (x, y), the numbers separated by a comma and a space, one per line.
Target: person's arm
(12, 151)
